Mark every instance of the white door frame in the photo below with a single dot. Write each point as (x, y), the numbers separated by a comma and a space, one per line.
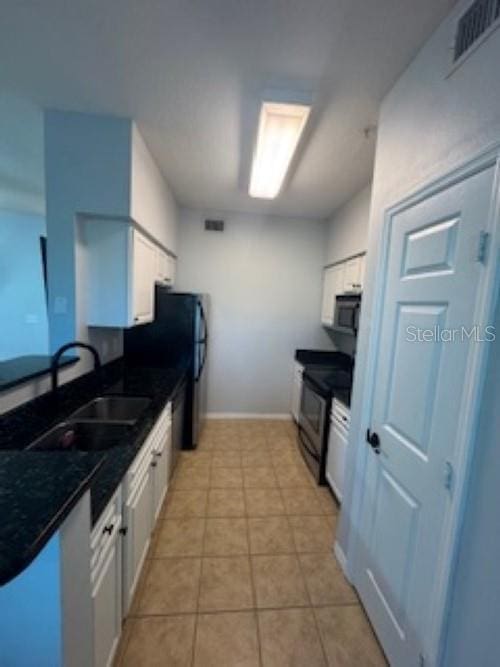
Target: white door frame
(468, 418)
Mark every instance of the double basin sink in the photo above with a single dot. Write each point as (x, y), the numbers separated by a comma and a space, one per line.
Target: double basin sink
(101, 424)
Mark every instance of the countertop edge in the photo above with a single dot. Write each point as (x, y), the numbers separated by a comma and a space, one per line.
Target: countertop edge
(8, 574)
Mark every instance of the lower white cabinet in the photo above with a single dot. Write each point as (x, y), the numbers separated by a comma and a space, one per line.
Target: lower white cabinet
(145, 486)
(106, 582)
(337, 448)
(162, 458)
(298, 370)
(137, 520)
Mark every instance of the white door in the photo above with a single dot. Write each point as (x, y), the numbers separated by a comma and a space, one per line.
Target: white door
(143, 278)
(431, 282)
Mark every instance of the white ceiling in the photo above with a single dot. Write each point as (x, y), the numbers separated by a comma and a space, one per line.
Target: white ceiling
(191, 73)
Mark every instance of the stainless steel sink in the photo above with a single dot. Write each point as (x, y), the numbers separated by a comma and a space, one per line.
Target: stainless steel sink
(84, 436)
(113, 409)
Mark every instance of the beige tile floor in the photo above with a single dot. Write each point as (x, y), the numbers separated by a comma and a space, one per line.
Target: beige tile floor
(240, 572)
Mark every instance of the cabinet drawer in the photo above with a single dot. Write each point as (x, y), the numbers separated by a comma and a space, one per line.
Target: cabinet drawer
(104, 533)
(154, 443)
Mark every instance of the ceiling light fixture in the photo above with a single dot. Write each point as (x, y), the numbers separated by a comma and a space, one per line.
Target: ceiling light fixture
(280, 128)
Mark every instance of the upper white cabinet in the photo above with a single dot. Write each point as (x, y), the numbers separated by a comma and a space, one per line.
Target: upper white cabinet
(328, 298)
(354, 274)
(341, 278)
(165, 267)
(120, 274)
(142, 279)
(333, 284)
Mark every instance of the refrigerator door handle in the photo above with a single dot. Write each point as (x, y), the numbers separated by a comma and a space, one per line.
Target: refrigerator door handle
(203, 318)
(202, 365)
(203, 341)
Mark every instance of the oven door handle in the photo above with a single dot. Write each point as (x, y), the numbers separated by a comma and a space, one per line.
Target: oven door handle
(306, 447)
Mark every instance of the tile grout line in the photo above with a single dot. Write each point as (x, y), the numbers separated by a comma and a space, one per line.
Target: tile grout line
(254, 594)
(197, 610)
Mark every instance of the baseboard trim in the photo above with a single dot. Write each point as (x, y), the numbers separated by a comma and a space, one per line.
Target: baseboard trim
(271, 416)
(341, 558)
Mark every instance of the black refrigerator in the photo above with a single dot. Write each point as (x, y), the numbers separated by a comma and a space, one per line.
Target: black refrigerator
(178, 337)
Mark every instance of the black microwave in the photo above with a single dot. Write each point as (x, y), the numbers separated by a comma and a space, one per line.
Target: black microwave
(346, 318)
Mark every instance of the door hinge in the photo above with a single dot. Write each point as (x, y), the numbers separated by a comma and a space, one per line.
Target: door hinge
(448, 475)
(482, 250)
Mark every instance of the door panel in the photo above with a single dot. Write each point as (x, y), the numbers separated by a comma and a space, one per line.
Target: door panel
(431, 287)
(430, 249)
(413, 371)
(396, 515)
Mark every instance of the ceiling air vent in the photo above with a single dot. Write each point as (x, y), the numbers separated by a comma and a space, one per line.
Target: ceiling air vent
(214, 225)
(474, 23)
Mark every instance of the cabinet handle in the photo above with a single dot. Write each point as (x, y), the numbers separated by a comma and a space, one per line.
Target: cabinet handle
(123, 531)
(157, 454)
(108, 529)
(154, 464)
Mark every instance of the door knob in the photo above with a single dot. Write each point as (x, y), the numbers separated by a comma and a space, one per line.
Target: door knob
(373, 440)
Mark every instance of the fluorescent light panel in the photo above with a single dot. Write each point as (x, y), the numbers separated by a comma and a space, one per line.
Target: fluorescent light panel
(280, 129)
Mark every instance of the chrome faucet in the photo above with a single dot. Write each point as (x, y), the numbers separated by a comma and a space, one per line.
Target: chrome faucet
(54, 364)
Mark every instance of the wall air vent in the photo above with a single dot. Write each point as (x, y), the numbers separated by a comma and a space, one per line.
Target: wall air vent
(214, 225)
(475, 22)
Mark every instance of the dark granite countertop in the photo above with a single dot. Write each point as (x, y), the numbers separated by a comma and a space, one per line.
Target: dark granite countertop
(66, 475)
(37, 492)
(320, 357)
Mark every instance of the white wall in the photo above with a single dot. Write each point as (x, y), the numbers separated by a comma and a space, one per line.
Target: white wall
(348, 228)
(429, 124)
(151, 201)
(263, 276)
(23, 302)
(89, 162)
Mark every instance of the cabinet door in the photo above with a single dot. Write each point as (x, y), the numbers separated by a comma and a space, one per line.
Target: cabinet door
(351, 275)
(335, 461)
(328, 297)
(106, 599)
(361, 275)
(161, 470)
(143, 277)
(296, 390)
(161, 265)
(138, 513)
(338, 274)
(171, 269)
